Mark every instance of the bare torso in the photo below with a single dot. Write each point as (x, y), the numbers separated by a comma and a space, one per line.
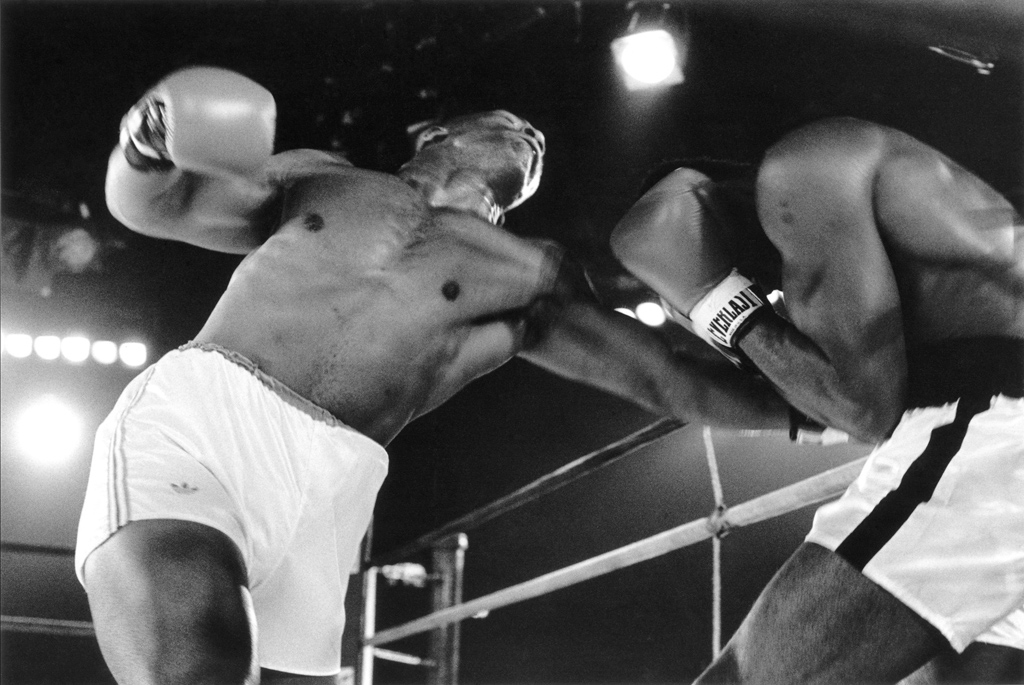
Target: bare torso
(375, 305)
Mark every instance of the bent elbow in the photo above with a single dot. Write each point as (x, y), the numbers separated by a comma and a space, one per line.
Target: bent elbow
(873, 420)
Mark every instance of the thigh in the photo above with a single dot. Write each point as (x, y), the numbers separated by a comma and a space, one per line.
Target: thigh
(821, 621)
(170, 604)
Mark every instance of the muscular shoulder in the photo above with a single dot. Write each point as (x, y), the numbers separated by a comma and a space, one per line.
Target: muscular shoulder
(833, 135)
(839, 154)
(285, 168)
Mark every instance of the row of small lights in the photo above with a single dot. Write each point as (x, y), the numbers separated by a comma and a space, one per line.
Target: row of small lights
(74, 349)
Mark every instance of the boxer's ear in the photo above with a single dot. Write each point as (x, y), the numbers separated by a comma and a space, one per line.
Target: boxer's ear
(425, 132)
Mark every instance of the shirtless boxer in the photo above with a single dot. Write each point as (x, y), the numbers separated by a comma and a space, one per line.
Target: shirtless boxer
(903, 281)
(235, 477)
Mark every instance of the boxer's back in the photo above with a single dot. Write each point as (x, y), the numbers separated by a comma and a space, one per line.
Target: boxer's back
(955, 246)
(958, 246)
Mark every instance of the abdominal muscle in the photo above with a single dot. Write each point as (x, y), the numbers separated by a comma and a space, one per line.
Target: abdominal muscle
(344, 318)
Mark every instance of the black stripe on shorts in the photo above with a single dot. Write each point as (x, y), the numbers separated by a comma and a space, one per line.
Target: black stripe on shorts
(916, 487)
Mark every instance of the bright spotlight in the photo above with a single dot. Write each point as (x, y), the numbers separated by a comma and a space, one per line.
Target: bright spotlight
(104, 352)
(650, 313)
(47, 347)
(48, 431)
(648, 59)
(18, 345)
(75, 348)
(132, 353)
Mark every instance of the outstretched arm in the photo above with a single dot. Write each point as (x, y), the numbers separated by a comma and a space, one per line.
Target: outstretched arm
(606, 350)
(192, 161)
(674, 240)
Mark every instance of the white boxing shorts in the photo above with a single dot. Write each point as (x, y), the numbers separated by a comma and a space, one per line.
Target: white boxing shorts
(936, 518)
(202, 435)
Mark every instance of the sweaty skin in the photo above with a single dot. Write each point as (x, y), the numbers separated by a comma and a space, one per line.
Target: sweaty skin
(888, 247)
(378, 296)
(896, 263)
(376, 306)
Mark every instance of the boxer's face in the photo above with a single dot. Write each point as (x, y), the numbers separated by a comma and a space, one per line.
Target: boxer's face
(505, 150)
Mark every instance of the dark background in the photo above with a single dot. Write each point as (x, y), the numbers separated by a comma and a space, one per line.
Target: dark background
(352, 76)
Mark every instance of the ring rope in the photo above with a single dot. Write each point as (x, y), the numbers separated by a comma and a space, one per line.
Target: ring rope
(46, 626)
(798, 495)
(543, 486)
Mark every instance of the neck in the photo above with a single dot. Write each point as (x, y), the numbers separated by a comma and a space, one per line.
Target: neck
(458, 190)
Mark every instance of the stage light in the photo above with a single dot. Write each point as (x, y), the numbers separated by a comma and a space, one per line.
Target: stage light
(18, 345)
(132, 353)
(74, 348)
(48, 431)
(648, 59)
(47, 347)
(650, 313)
(104, 352)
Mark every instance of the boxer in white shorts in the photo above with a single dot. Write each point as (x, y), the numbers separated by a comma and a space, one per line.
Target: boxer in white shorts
(291, 486)
(903, 276)
(372, 296)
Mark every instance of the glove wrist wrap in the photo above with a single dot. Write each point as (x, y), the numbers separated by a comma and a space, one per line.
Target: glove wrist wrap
(720, 315)
(725, 313)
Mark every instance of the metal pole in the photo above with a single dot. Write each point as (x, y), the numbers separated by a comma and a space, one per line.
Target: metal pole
(369, 625)
(449, 560)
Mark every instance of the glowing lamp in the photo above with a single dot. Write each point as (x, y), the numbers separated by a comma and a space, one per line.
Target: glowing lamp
(648, 59)
(650, 313)
(132, 353)
(46, 347)
(74, 348)
(48, 431)
(104, 352)
(18, 345)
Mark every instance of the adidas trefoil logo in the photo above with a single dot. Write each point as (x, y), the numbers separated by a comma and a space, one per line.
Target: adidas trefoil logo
(184, 488)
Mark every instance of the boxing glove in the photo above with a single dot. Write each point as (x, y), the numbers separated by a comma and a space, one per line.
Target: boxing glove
(202, 119)
(677, 240)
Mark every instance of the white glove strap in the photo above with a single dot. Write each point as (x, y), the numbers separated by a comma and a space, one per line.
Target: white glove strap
(719, 314)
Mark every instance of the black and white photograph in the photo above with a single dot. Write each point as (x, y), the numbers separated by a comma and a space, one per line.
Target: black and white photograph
(512, 342)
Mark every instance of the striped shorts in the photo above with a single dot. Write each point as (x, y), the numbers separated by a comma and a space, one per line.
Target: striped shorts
(936, 518)
(205, 436)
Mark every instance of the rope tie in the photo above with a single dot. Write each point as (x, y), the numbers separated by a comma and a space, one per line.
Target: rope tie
(716, 522)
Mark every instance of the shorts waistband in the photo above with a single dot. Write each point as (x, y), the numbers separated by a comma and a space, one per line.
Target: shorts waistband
(968, 368)
(280, 389)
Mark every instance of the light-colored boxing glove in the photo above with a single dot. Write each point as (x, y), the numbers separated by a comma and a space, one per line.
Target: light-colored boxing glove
(202, 119)
(676, 239)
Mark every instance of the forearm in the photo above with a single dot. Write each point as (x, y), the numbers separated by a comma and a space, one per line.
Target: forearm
(227, 214)
(192, 161)
(611, 352)
(817, 386)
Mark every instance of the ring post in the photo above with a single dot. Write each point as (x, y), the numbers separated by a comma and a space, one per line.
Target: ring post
(369, 625)
(449, 556)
